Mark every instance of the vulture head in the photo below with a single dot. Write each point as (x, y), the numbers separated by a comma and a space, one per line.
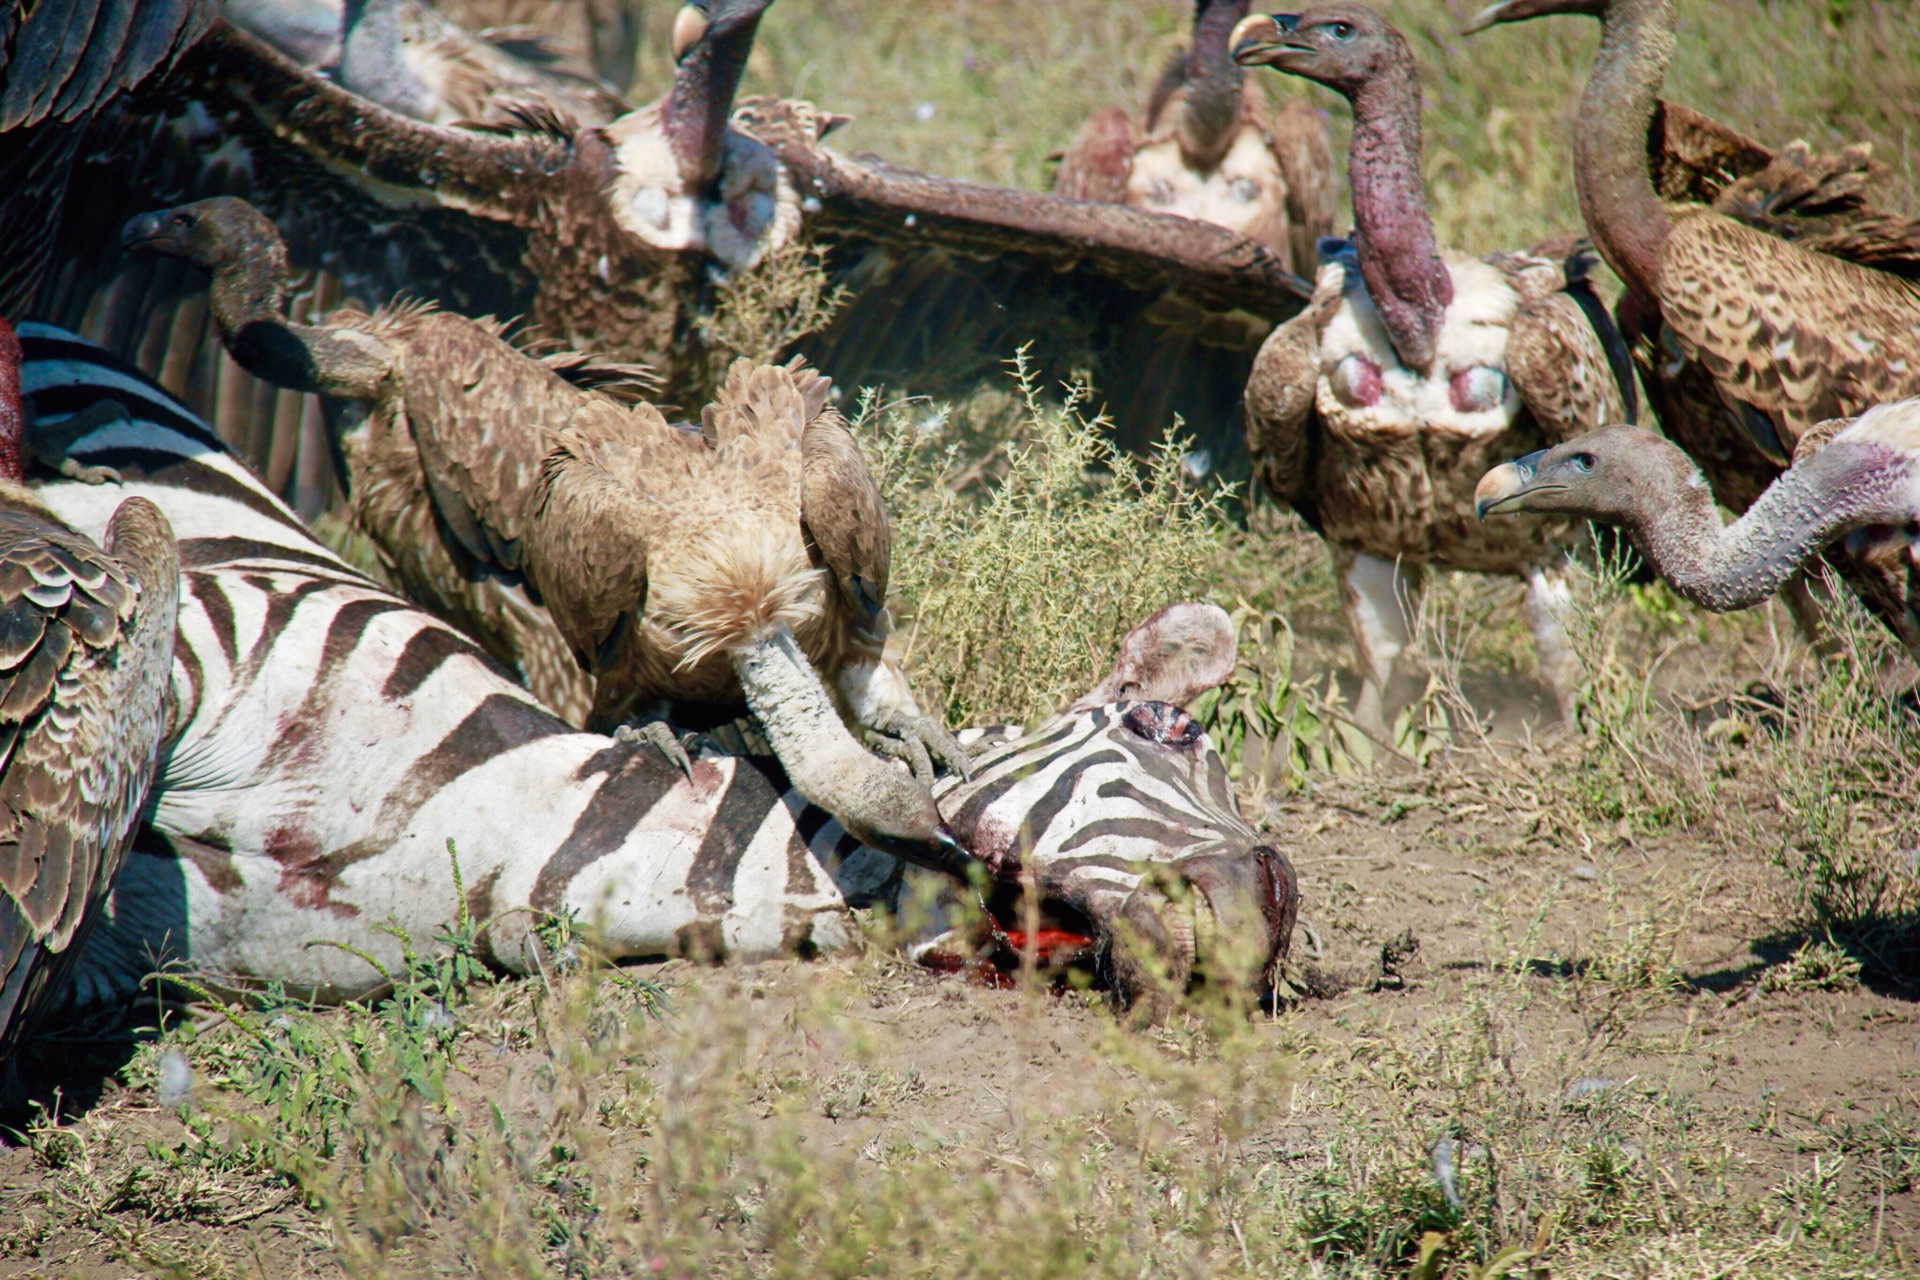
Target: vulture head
(1615, 474)
(1343, 46)
(1521, 10)
(207, 233)
(688, 180)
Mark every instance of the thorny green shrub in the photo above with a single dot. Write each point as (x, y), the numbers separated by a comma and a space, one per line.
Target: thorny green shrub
(1016, 573)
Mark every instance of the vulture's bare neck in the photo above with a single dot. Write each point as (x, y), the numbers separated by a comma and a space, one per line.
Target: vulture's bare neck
(1213, 84)
(1399, 257)
(697, 107)
(248, 300)
(1623, 212)
(1846, 486)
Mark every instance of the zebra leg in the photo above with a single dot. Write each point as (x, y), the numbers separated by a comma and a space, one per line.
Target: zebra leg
(1377, 598)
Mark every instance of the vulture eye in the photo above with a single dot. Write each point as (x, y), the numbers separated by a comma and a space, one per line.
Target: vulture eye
(1584, 461)
(1341, 30)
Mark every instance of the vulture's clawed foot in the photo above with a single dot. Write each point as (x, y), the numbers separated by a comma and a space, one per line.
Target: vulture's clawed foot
(658, 733)
(921, 741)
(50, 442)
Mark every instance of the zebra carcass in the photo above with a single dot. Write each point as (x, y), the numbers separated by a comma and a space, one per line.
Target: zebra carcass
(329, 744)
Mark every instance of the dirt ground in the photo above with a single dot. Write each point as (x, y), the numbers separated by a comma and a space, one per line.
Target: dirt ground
(1610, 981)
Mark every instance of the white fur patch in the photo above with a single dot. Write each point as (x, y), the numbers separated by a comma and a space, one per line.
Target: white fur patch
(758, 211)
(1474, 335)
(1239, 194)
(1895, 425)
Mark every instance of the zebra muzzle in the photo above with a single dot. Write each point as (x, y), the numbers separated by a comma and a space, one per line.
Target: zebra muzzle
(1223, 919)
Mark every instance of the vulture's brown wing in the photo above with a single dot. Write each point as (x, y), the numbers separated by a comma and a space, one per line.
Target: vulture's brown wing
(1693, 157)
(372, 205)
(1566, 358)
(1280, 413)
(843, 517)
(485, 417)
(948, 278)
(587, 551)
(60, 62)
(86, 650)
(1299, 141)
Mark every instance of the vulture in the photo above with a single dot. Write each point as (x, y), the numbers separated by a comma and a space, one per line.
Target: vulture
(1855, 481)
(612, 238)
(1795, 302)
(733, 561)
(61, 62)
(86, 653)
(1698, 165)
(1373, 412)
(1208, 149)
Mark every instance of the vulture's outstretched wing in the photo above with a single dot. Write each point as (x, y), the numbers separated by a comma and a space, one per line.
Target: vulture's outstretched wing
(61, 61)
(948, 278)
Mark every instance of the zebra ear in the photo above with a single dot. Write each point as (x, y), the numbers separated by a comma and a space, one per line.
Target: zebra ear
(1174, 656)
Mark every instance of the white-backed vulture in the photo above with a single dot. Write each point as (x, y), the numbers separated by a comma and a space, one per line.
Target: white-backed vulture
(717, 564)
(1815, 200)
(1795, 321)
(1208, 147)
(86, 651)
(1853, 480)
(1375, 410)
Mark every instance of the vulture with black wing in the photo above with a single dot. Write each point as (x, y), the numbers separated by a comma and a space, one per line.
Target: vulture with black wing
(1374, 411)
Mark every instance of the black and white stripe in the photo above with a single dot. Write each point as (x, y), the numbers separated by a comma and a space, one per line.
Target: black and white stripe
(329, 739)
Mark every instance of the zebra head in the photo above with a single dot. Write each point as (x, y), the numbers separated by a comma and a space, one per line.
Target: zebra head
(1111, 835)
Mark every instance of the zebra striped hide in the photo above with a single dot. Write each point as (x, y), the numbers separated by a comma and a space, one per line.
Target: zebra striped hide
(328, 740)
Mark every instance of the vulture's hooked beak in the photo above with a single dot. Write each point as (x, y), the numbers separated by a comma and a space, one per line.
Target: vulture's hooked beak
(1487, 17)
(1501, 489)
(1258, 37)
(146, 233)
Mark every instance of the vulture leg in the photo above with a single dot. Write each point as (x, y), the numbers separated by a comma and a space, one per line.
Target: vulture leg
(876, 802)
(883, 703)
(1547, 603)
(1377, 601)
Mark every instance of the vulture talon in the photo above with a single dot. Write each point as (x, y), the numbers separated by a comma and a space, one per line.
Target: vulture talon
(658, 733)
(921, 741)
